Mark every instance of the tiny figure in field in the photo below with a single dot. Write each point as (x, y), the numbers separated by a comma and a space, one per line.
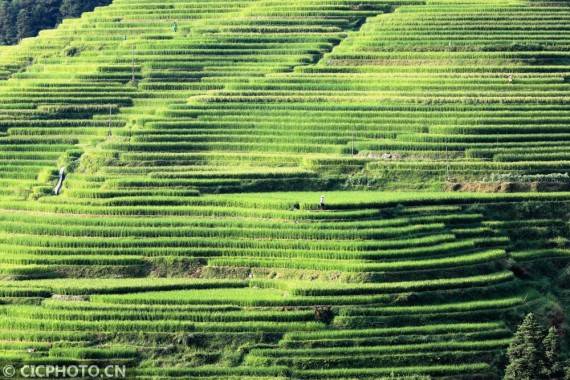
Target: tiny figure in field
(322, 203)
(510, 78)
(59, 185)
(175, 27)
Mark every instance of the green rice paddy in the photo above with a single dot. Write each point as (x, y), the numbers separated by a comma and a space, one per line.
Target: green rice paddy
(198, 137)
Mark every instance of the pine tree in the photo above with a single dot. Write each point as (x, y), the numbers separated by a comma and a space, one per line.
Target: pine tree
(5, 22)
(72, 8)
(68, 8)
(25, 18)
(553, 368)
(525, 353)
(24, 23)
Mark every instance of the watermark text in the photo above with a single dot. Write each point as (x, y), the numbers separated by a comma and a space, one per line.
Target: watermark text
(64, 372)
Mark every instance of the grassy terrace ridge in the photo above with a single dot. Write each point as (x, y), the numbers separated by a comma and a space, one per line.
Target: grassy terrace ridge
(198, 136)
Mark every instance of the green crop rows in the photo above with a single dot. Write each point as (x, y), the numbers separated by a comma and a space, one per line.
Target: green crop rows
(198, 137)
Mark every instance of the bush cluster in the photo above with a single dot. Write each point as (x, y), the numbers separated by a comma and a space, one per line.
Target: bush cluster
(26, 18)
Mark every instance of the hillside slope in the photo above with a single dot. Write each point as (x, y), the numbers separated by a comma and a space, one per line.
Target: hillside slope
(197, 138)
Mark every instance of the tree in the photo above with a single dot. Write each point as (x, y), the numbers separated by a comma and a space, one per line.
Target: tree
(525, 353)
(25, 18)
(534, 355)
(24, 23)
(74, 8)
(6, 21)
(70, 8)
(553, 367)
(46, 14)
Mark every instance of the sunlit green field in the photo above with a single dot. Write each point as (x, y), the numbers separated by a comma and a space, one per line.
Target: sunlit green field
(271, 189)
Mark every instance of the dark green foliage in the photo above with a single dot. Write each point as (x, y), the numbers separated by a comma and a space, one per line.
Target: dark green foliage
(324, 314)
(553, 368)
(73, 8)
(24, 23)
(534, 355)
(26, 18)
(525, 352)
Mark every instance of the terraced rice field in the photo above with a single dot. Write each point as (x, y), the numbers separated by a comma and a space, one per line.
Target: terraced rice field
(197, 138)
